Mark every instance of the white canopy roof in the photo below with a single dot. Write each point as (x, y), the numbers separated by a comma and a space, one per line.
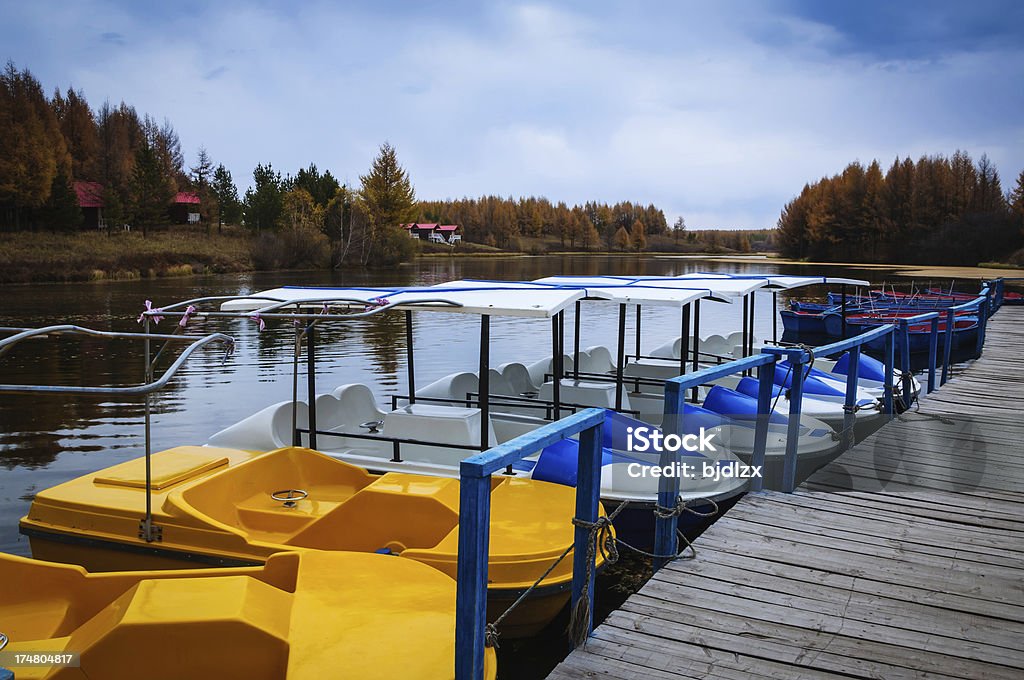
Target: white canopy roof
(722, 289)
(482, 298)
(634, 294)
(777, 281)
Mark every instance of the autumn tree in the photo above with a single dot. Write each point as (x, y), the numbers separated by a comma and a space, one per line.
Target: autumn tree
(637, 236)
(621, 240)
(390, 200)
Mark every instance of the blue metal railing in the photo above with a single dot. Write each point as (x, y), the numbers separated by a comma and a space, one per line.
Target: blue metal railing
(474, 527)
(982, 305)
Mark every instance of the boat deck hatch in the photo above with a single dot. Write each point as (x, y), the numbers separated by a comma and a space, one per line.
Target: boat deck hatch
(179, 465)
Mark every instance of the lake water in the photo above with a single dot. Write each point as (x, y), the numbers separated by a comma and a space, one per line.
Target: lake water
(46, 440)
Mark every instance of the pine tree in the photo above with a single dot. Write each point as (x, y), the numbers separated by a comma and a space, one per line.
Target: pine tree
(226, 197)
(264, 200)
(201, 175)
(390, 200)
(151, 191)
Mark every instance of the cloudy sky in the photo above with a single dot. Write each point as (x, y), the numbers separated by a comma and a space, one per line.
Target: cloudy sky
(717, 111)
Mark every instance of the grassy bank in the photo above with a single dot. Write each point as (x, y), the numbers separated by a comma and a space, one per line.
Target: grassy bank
(95, 256)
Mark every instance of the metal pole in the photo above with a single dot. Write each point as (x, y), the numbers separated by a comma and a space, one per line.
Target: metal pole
(557, 367)
(621, 357)
(775, 317)
(148, 374)
(409, 358)
(746, 314)
(684, 339)
(948, 340)
(296, 440)
(842, 309)
(933, 350)
(576, 343)
(750, 346)
(485, 381)
(636, 383)
(311, 380)
(696, 343)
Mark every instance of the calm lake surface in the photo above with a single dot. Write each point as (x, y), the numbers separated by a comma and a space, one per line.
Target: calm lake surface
(46, 440)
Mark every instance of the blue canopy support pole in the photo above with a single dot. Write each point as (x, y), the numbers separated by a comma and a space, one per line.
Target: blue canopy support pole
(684, 339)
(696, 344)
(588, 492)
(471, 574)
(906, 375)
(311, 381)
(842, 309)
(948, 347)
(576, 343)
(890, 361)
(796, 393)
(849, 404)
(485, 381)
(933, 351)
(665, 540)
(765, 385)
(620, 358)
(775, 317)
(409, 357)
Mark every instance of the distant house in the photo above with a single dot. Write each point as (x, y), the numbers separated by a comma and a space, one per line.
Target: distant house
(434, 232)
(90, 200)
(185, 208)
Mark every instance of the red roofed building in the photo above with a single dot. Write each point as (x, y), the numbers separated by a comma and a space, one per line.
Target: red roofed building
(185, 208)
(90, 200)
(434, 232)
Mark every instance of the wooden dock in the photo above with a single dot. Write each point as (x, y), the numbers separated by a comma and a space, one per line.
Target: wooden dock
(903, 558)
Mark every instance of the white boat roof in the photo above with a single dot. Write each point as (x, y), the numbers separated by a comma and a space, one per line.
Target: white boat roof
(778, 281)
(722, 289)
(483, 298)
(621, 294)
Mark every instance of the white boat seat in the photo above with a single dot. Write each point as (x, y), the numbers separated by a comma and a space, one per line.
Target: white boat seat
(436, 424)
(499, 384)
(716, 344)
(671, 349)
(356, 405)
(539, 369)
(598, 360)
(266, 430)
(599, 394)
(518, 377)
(453, 386)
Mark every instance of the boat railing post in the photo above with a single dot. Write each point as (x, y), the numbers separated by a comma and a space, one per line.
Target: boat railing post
(484, 381)
(471, 573)
(576, 343)
(750, 339)
(636, 383)
(147, 532)
(410, 357)
(796, 392)
(620, 358)
(765, 389)
(311, 380)
(933, 351)
(982, 325)
(850, 403)
(842, 308)
(775, 317)
(890, 366)
(296, 437)
(665, 541)
(948, 343)
(906, 376)
(588, 498)
(556, 369)
(684, 339)
(696, 344)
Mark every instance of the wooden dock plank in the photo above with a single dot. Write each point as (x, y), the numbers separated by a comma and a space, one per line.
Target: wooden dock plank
(897, 560)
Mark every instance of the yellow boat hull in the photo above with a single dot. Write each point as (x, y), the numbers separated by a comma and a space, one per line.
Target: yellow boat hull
(305, 614)
(214, 507)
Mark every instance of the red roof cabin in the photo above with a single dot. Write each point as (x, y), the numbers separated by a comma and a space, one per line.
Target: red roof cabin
(90, 200)
(185, 208)
(434, 232)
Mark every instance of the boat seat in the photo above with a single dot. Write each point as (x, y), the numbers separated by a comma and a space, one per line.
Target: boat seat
(453, 386)
(539, 369)
(499, 384)
(598, 360)
(265, 430)
(519, 377)
(355, 404)
(671, 349)
(716, 344)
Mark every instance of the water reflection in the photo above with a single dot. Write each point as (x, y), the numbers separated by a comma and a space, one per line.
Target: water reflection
(48, 440)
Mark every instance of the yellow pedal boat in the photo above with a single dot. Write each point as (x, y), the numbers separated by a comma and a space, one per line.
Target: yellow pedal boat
(217, 506)
(304, 614)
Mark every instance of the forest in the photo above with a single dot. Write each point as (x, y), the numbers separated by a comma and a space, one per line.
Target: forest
(939, 210)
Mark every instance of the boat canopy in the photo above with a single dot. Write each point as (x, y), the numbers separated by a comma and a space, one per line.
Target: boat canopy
(483, 298)
(633, 295)
(722, 289)
(780, 282)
